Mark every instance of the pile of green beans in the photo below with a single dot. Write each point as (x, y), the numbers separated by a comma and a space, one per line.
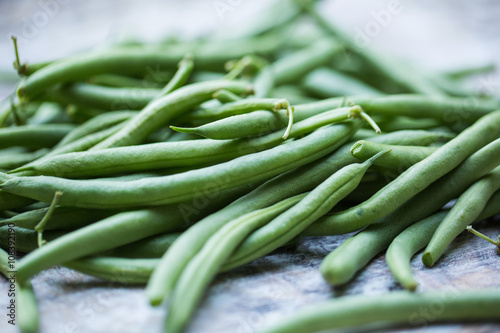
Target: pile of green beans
(217, 152)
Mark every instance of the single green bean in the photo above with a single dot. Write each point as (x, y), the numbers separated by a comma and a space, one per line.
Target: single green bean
(291, 223)
(4, 263)
(13, 161)
(184, 186)
(342, 264)
(128, 271)
(399, 123)
(28, 318)
(395, 308)
(165, 108)
(25, 239)
(205, 265)
(9, 201)
(399, 158)
(34, 136)
(225, 96)
(467, 208)
(294, 182)
(325, 82)
(102, 97)
(120, 81)
(414, 179)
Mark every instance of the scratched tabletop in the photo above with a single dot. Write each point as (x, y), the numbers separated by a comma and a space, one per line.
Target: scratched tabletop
(437, 36)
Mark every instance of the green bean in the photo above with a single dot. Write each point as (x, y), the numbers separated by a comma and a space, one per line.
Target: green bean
(414, 179)
(467, 208)
(406, 123)
(28, 318)
(291, 223)
(102, 97)
(394, 308)
(165, 108)
(96, 124)
(404, 76)
(33, 136)
(129, 271)
(185, 68)
(63, 218)
(151, 247)
(292, 93)
(340, 266)
(4, 263)
(281, 187)
(120, 81)
(406, 244)
(26, 239)
(205, 265)
(117, 230)
(49, 113)
(399, 158)
(140, 61)
(325, 82)
(9, 162)
(294, 66)
(417, 236)
(235, 108)
(366, 189)
(184, 186)
(9, 201)
(225, 96)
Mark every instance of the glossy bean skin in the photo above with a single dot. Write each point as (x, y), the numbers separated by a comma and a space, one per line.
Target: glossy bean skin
(101, 97)
(116, 230)
(399, 158)
(122, 270)
(340, 266)
(34, 136)
(170, 154)
(205, 265)
(294, 182)
(414, 179)
(417, 236)
(466, 209)
(183, 186)
(162, 110)
(394, 308)
(292, 222)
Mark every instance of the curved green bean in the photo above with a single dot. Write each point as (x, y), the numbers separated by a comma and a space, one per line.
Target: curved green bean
(467, 208)
(399, 157)
(413, 180)
(34, 136)
(151, 247)
(399, 307)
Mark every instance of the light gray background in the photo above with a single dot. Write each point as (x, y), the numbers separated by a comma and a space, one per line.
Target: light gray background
(435, 35)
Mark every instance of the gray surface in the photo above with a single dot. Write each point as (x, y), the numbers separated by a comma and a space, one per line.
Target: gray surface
(436, 35)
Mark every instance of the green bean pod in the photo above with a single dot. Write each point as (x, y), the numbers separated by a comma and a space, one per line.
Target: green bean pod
(395, 308)
(183, 186)
(162, 110)
(28, 318)
(414, 179)
(399, 157)
(128, 271)
(34, 136)
(4, 263)
(467, 208)
(151, 247)
(26, 239)
(9, 162)
(9, 201)
(325, 82)
(292, 222)
(341, 265)
(101, 97)
(205, 265)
